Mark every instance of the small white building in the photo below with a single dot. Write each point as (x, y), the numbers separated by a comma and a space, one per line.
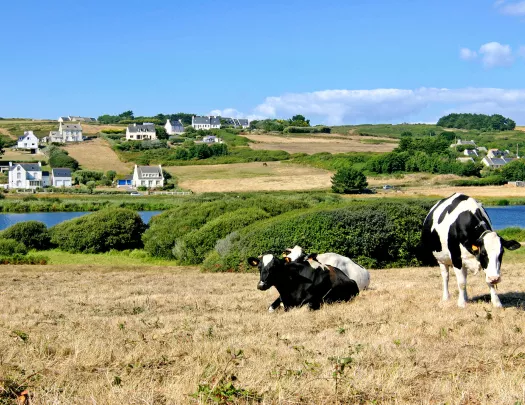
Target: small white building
(174, 127)
(144, 132)
(71, 118)
(25, 175)
(61, 177)
(496, 162)
(211, 139)
(206, 123)
(28, 141)
(148, 176)
(465, 159)
(470, 152)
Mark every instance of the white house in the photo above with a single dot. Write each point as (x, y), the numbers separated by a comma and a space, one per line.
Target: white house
(144, 132)
(464, 143)
(148, 176)
(465, 160)
(211, 139)
(25, 175)
(206, 123)
(61, 177)
(241, 122)
(74, 118)
(495, 162)
(28, 141)
(470, 152)
(66, 133)
(174, 127)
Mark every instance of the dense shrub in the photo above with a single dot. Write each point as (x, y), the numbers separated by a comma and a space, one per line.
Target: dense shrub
(114, 228)
(307, 130)
(495, 180)
(495, 122)
(21, 259)
(33, 234)
(348, 180)
(514, 171)
(62, 159)
(192, 247)
(514, 232)
(9, 247)
(374, 234)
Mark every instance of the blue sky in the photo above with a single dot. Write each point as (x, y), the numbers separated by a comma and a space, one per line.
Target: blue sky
(353, 61)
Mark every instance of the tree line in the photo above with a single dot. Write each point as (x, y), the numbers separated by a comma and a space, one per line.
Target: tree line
(481, 122)
(128, 117)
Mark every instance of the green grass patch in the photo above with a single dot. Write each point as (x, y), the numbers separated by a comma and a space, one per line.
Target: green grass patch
(112, 258)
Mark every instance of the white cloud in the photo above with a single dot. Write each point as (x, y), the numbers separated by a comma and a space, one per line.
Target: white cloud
(516, 8)
(467, 54)
(496, 54)
(391, 105)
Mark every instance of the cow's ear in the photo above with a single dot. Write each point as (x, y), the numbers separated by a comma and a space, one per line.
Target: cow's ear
(312, 256)
(510, 244)
(253, 261)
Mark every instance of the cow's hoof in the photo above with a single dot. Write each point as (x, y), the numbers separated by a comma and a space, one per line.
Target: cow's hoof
(462, 304)
(497, 305)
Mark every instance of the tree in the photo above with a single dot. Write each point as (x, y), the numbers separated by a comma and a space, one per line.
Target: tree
(127, 115)
(514, 171)
(111, 174)
(348, 180)
(161, 132)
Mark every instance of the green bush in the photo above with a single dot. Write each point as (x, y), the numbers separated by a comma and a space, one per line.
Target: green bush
(61, 159)
(9, 247)
(33, 234)
(514, 232)
(348, 180)
(113, 228)
(21, 259)
(373, 234)
(495, 180)
(192, 247)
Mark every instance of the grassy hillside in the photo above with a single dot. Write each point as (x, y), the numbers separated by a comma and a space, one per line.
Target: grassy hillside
(153, 334)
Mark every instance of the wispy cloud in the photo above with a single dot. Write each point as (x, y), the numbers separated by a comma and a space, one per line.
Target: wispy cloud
(336, 107)
(514, 8)
(492, 54)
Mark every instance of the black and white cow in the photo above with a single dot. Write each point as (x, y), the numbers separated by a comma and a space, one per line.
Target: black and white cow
(320, 260)
(458, 232)
(299, 284)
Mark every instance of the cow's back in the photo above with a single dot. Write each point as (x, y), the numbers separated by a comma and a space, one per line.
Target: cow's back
(352, 270)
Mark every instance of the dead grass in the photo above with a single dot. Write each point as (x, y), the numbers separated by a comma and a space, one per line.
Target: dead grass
(321, 143)
(5, 131)
(250, 177)
(151, 335)
(91, 129)
(22, 156)
(96, 154)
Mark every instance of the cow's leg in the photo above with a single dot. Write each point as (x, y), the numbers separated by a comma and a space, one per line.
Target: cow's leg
(494, 297)
(461, 277)
(275, 305)
(444, 276)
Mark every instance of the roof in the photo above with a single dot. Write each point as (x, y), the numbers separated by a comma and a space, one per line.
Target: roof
(215, 121)
(26, 133)
(497, 161)
(243, 121)
(156, 170)
(29, 167)
(141, 128)
(72, 126)
(64, 119)
(61, 172)
(201, 120)
(176, 123)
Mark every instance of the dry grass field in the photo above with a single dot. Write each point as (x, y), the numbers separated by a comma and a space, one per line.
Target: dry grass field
(96, 154)
(21, 156)
(91, 129)
(250, 177)
(89, 334)
(321, 143)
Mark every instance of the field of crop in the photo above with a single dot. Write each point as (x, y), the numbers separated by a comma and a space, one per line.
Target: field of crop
(96, 154)
(250, 177)
(321, 143)
(155, 334)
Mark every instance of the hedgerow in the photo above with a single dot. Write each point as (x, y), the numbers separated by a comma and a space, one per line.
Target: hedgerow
(33, 234)
(115, 228)
(376, 235)
(21, 259)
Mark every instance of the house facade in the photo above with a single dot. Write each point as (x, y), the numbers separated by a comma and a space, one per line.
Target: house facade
(67, 132)
(61, 177)
(174, 127)
(28, 141)
(25, 175)
(205, 123)
(495, 162)
(148, 176)
(144, 132)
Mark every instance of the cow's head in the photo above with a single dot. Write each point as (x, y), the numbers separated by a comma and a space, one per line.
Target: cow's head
(489, 250)
(268, 270)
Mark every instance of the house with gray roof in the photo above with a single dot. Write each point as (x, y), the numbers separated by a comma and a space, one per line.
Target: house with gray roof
(63, 119)
(28, 141)
(61, 177)
(144, 132)
(174, 127)
(206, 123)
(148, 176)
(67, 132)
(496, 162)
(71, 118)
(25, 175)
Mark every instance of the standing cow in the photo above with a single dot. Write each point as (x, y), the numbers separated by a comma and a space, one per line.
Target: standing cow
(299, 284)
(458, 232)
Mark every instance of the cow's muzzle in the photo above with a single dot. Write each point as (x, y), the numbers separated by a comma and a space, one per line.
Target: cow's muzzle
(493, 280)
(262, 286)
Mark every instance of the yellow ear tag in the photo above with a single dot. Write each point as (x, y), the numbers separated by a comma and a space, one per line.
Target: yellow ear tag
(475, 248)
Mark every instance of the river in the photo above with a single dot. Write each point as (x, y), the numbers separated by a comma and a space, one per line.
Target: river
(53, 218)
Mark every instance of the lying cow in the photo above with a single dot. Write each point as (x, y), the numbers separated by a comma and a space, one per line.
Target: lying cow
(354, 271)
(299, 284)
(459, 233)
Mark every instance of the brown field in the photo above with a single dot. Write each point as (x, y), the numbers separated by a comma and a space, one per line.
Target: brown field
(250, 177)
(151, 335)
(96, 154)
(321, 143)
(21, 156)
(4, 131)
(91, 129)
(520, 128)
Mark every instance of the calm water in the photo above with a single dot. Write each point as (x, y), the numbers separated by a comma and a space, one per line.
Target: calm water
(503, 217)
(53, 218)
